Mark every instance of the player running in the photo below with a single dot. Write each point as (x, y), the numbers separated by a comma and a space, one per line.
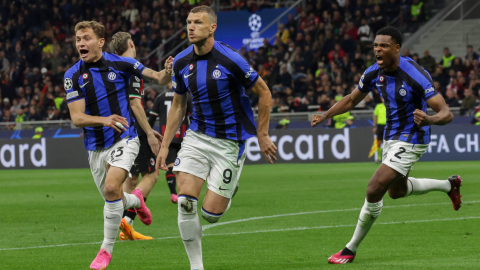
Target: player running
(407, 90)
(214, 146)
(97, 97)
(144, 164)
(161, 108)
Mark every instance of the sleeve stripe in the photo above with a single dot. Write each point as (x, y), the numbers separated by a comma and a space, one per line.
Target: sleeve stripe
(153, 113)
(135, 96)
(175, 90)
(432, 96)
(253, 82)
(75, 99)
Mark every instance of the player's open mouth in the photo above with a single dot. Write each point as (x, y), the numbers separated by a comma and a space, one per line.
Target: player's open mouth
(379, 59)
(83, 53)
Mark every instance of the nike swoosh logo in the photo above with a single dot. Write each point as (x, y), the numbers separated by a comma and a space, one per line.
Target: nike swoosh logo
(188, 75)
(392, 160)
(110, 218)
(222, 188)
(83, 85)
(379, 85)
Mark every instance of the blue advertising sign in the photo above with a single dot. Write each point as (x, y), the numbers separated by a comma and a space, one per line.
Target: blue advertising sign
(238, 28)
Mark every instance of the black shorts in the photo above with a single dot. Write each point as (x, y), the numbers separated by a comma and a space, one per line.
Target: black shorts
(172, 152)
(380, 130)
(145, 161)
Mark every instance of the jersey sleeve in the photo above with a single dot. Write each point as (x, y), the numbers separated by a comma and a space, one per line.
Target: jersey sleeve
(130, 65)
(237, 65)
(428, 90)
(177, 82)
(367, 81)
(134, 87)
(70, 83)
(156, 106)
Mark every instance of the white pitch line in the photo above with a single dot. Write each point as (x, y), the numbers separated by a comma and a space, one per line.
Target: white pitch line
(340, 226)
(275, 230)
(208, 226)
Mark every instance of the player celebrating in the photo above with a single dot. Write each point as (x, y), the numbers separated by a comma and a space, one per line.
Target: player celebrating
(161, 108)
(98, 102)
(123, 45)
(222, 119)
(407, 89)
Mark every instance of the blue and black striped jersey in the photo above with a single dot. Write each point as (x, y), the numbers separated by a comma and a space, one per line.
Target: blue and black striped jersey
(404, 90)
(104, 86)
(217, 83)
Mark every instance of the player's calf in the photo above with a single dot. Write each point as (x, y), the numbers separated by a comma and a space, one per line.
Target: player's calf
(190, 229)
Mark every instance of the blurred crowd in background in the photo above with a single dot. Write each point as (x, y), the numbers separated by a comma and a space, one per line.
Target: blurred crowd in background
(315, 60)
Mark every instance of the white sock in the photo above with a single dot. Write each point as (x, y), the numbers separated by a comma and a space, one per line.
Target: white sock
(419, 186)
(128, 220)
(131, 201)
(368, 215)
(112, 216)
(190, 230)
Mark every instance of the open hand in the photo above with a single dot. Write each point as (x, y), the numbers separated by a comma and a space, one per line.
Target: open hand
(268, 148)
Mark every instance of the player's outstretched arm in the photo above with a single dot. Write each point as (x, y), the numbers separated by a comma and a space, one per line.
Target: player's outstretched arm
(344, 105)
(152, 136)
(162, 77)
(80, 119)
(442, 117)
(174, 120)
(267, 147)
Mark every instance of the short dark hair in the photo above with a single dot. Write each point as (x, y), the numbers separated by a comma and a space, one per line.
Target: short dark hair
(392, 32)
(206, 9)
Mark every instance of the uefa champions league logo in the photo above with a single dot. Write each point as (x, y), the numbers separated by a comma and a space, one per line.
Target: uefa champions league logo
(255, 22)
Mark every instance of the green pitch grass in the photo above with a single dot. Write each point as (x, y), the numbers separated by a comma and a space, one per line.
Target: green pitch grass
(52, 219)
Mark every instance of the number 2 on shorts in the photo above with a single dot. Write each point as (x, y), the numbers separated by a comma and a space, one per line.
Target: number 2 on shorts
(402, 150)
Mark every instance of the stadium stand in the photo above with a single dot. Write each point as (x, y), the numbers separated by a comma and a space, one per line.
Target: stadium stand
(316, 59)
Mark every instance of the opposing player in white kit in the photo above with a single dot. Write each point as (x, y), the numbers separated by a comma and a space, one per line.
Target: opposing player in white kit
(213, 149)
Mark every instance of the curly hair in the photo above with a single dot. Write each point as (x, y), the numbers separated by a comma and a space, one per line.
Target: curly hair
(392, 32)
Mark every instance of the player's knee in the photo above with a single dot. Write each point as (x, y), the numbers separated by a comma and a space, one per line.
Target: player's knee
(187, 205)
(210, 217)
(396, 194)
(110, 190)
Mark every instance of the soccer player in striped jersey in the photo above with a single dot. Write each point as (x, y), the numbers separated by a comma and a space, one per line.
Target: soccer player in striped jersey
(144, 164)
(407, 89)
(213, 149)
(97, 97)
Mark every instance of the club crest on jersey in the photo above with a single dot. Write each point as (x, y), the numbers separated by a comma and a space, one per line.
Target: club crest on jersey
(216, 73)
(402, 92)
(381, 79)
(85, 76)
(112, 76)
(190, 67)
